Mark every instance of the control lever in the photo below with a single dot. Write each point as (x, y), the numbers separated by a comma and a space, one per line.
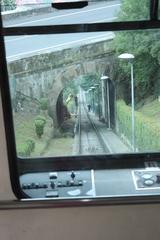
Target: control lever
(73, 175)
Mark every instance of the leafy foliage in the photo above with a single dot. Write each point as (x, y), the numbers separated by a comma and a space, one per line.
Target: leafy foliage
(70, 88)
(88, 81)
(25, 149)
(134, 10)
(144, 45)
(39, 125)
(8, 5)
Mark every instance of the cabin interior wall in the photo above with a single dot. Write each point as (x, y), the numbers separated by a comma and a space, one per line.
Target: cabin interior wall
(90, 223)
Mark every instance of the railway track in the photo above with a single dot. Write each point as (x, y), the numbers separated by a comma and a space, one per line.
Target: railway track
(90, 140)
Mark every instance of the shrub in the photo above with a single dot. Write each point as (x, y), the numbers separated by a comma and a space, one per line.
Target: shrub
(39, 125)
(25, 149)
(31, 144)
(44, 103)
(41, 118)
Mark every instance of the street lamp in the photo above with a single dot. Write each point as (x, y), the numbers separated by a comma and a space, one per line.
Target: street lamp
(93, 89)
(129, 57)
(98, 98)
(104, 85)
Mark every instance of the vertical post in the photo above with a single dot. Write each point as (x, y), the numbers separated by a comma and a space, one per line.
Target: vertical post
(103, 103)
(93, 101)
(133, 108)
(99, 114)
(108, 105)
(129, 57)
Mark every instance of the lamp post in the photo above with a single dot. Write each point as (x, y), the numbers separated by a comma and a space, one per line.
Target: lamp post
(93, 102)
(104, 92)
(98, 98)
(130, 57)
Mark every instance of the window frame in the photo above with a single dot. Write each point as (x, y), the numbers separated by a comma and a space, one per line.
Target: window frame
(109, 161)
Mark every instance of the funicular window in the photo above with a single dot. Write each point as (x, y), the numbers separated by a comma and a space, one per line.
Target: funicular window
(84, 100)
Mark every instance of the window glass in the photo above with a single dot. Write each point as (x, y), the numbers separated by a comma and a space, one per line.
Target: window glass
(85, 94)
(36, 13)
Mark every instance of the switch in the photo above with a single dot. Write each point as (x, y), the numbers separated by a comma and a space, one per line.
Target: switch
(59, 184)
(80, 183)
(24, 186)
(52, 185)
(28, 186)
(72, 183)
(158, 178)
(45, 185)
(36, 185)
(53, 175)
(33, 185)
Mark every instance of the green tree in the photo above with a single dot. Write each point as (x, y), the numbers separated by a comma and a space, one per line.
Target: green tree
(134, 10)
(144, 45)
(89, 80)
(8, 5)
(70, 88)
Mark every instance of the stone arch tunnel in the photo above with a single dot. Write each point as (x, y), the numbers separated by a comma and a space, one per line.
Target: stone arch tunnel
(50, 72)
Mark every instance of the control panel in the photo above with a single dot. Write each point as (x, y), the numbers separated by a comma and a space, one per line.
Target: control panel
(57, 184)
(92, 183)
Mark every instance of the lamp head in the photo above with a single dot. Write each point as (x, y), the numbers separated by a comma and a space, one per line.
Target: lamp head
(104, 77)
(126, 56)
(92, 88)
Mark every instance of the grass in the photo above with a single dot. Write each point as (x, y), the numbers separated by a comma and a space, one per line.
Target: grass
(46, 145)
(25, 129)
(59, 147)
(151, 109)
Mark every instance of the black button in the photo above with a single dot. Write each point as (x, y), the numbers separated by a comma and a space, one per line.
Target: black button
(28, 186)
(36, 185)
(80, 183)
(24, 186)
(33, 185)
(59, 184)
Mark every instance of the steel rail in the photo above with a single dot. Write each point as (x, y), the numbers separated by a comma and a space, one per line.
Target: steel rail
(99, 136)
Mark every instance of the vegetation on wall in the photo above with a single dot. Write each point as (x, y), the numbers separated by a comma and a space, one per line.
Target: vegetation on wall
(147, 137)
(44, 104)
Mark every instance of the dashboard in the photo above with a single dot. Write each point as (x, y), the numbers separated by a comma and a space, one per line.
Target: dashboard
(92, 183)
